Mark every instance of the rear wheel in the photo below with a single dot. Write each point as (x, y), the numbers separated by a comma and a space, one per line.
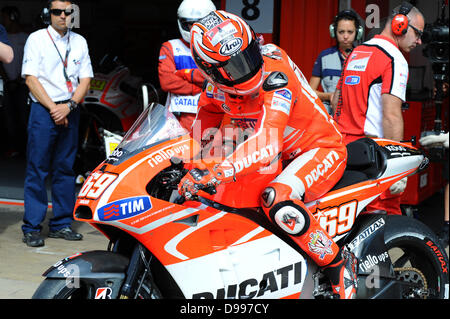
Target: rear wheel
(417, 257)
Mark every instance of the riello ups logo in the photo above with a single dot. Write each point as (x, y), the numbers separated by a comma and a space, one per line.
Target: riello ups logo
(124, 208)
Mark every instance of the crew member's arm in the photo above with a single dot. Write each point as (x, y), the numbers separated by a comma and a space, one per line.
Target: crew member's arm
(183, 82)
(392, 117)
(334, 100)
(6, 52)
(314, 82)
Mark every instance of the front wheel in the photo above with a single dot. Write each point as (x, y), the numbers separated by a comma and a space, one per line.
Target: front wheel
(417, 257)
(52, 288)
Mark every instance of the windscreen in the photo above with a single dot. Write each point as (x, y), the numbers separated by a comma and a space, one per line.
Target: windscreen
(155, 125)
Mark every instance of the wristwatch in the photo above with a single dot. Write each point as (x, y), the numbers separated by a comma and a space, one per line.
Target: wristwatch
(72, 105)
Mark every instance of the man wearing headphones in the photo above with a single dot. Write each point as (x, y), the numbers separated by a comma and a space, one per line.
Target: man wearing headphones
(346, 29)
(372, 88)
(57, 70)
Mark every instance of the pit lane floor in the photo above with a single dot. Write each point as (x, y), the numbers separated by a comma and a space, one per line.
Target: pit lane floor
(21, 267)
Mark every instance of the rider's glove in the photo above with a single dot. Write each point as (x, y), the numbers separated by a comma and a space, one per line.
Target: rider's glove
(204, 176)
(398, 186)
(441, 139)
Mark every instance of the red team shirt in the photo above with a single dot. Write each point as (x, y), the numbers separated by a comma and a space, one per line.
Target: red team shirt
(374, 68)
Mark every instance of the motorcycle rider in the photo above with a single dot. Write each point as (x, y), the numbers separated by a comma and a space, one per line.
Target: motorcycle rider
(178, 74)
(262, 90)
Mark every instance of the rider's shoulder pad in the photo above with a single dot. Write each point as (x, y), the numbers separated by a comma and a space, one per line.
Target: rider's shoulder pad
(275, 80)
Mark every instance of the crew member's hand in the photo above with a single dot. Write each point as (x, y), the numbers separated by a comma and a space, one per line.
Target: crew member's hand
(59, 113)
(398, 186)
(203, 176)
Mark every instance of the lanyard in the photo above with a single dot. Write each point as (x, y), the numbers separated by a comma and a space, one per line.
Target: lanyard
(64, 61)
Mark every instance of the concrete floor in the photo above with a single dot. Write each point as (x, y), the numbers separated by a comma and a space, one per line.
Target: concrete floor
(21, 267)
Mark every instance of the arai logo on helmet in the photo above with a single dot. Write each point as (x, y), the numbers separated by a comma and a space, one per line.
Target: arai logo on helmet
(231, 46)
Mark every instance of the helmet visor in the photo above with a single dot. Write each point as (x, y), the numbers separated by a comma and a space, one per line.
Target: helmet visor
(238, 69)
(186, 23)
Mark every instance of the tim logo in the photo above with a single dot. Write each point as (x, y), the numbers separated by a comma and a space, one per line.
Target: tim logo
(124, 208)
(352, 80)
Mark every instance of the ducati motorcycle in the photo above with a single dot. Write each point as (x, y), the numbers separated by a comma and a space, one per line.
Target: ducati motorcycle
(219, 244)
(109, 109)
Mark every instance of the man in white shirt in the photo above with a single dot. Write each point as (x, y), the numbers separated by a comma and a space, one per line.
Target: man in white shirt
(57, 70)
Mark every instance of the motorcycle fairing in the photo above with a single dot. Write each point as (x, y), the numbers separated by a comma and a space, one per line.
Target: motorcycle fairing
(98, 268)
(262, 268)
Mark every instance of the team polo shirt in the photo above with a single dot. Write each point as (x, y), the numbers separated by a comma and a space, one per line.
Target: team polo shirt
(374, 68)
(41, 59)
(3, 35)
(328, 67)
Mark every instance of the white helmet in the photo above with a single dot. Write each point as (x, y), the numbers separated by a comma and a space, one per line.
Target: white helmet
(189, 12)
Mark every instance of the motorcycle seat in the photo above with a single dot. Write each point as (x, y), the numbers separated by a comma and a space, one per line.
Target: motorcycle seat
(366, 160)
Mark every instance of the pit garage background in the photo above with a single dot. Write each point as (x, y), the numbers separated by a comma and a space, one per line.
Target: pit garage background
(135, 30)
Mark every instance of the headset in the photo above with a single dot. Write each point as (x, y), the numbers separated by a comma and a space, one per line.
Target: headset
(399, 24)
(350, 15)
(45, 13)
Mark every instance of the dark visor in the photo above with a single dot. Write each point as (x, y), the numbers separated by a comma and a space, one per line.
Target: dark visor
(186, 24)
(239, 68)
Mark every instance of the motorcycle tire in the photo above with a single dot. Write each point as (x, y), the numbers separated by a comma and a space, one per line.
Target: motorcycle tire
(417, 256)
(52, 288)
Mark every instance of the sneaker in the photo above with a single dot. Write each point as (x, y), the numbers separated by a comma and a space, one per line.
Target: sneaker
(67, 233)
(33, 239)
(342, 275)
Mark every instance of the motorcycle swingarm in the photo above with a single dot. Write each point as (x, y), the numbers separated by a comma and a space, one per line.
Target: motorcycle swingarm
(100, 269)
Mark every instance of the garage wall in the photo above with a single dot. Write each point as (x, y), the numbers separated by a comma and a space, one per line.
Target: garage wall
(304, 30)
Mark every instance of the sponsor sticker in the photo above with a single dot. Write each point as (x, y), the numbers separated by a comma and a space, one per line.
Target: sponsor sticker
(231, 46)
(124, 208)
(358, 61)
(352, 80)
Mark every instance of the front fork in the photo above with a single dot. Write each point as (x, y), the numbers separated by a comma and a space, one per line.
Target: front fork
(137, 272)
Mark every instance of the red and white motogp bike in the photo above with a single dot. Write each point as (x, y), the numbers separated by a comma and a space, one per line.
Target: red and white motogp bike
(221, 245)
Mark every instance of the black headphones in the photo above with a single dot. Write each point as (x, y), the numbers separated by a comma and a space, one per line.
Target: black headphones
(45, 13)
(349, 15)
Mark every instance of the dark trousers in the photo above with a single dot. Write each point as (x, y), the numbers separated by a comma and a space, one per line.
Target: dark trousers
(51, 150)
(15, 116)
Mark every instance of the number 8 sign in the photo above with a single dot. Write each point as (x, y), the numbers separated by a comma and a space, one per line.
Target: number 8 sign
(257, 13)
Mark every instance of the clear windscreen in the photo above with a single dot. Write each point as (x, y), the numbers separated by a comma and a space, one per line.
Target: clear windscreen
(155, 125)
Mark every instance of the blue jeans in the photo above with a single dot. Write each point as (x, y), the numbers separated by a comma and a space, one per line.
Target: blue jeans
(51, 149)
